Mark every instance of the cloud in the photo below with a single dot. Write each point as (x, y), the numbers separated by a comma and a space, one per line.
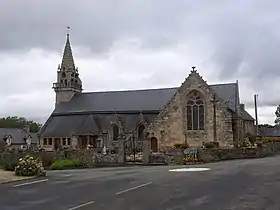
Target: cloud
(140, 44)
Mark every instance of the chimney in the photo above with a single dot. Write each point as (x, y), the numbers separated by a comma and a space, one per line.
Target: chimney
(242, 106)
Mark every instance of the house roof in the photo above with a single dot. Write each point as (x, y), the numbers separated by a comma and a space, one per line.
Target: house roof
(18, 135)
(134, 100)
(270, 131)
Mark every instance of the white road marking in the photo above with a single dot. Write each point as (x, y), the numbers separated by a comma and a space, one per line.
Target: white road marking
(189, 169)
(66, 175)
(82, 205)
(133, 188)
(28, 183)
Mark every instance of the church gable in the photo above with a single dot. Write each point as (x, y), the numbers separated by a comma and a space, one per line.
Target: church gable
(188, 117)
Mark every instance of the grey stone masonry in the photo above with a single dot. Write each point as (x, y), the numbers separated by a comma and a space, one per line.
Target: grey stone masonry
(121, 152)
(146, 151)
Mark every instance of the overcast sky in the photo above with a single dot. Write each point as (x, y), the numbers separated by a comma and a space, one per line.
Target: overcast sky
(131, 44)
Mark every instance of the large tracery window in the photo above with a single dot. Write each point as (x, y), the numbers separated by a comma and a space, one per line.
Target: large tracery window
(195, 112)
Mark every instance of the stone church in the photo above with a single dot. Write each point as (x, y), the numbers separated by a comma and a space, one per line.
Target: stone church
(195, 112)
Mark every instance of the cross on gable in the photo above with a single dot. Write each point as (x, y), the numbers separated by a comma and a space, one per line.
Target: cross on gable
(193, 70)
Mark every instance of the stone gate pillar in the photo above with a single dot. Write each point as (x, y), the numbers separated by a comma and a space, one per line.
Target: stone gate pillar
(74, 141)
(146, 150)
(121, 153)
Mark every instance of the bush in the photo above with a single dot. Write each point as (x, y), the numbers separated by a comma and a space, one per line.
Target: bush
(9, 161)
(251, 138)
(68, 164)
(192, 160)
(29, 166)
(211, 144)
(182, 146)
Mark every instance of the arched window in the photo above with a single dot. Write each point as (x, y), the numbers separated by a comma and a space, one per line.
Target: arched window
(115, 132)
(63, 74)
(140, 131)
(195, 112)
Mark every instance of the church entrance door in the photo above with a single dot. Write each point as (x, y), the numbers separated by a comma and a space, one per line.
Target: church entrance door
(57, 143)
(154, 144)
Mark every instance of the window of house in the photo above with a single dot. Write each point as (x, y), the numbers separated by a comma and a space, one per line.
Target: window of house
(69, 141)
(64, 141)
(115, 132)
(140, 133)
(50, 141)
(45, 141)
(195, 112)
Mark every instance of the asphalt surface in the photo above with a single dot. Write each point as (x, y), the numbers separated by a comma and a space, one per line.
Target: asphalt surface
(242, 184)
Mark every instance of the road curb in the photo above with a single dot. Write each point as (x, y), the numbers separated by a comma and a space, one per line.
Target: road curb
(20, 180)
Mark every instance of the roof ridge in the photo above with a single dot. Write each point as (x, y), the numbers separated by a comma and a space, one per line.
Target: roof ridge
(151, 89)
(133, 90)
(219, 84)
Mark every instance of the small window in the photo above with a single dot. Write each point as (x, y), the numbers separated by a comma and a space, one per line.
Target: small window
(63, 68)
(45, 141)
(69, 141)
(115, 133)
(63, 74)
(141, 129)
(64, 141)
(72, 80)
(50, 141)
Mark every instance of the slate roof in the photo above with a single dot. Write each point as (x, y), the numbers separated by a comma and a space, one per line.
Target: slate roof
(18, 135)
(90, 112)
(134, 100)
(82, 124)
(270, 132)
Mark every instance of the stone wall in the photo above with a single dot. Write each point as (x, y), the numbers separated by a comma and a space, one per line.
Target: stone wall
(91, 158)
(176, 156)
(212, 155)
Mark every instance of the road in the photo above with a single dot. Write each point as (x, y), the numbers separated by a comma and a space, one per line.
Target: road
(240, 184)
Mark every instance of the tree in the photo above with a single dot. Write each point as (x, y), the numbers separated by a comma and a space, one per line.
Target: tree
(19, 122)
(277, 113)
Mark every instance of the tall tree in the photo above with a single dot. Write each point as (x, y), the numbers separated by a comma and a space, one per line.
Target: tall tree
(277, 113)
(19, 122)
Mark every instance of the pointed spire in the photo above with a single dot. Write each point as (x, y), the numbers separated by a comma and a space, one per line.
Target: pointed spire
(67, 59)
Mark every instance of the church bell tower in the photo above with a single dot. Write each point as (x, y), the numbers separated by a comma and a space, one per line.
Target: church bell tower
(68, 81)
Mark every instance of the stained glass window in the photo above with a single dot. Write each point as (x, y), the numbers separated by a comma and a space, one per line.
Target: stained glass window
(189, 117)
(195, 112)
